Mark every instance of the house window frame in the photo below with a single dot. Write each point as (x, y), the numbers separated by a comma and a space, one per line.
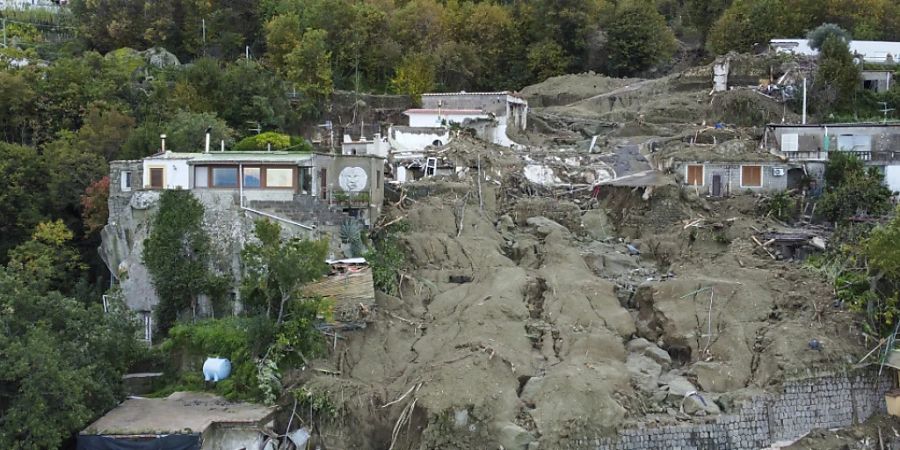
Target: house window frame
(761, 176)
(125, 180)
(150, 170)
(293, 178)
(262, 177)
(687, 171)
(211, 179)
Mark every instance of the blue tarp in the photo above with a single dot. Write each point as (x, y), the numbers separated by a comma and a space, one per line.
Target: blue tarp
(170, 442)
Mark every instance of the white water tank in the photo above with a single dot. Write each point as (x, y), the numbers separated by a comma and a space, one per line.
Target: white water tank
(216, 369)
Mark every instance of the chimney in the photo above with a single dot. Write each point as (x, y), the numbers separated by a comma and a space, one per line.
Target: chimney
(162, 138)
(206, 148)
(223, 145)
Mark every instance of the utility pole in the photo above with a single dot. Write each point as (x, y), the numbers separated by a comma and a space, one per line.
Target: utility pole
(804, 100)
(203, 21)
(4, 33)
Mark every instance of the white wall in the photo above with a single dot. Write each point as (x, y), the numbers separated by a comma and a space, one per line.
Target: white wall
(435, 119)
(405, 142)
(176, 173)
(892, 178)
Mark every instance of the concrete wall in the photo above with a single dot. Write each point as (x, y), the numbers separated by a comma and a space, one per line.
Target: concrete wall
(440, 119)
(176, 173)
(881, 79)
(407, 139)
(827, 400)
(730, 174)
(231, 437)
(892, 177)
(811, 138)
(493, 102)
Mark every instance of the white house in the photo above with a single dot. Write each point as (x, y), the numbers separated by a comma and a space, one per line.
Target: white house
(870, 51)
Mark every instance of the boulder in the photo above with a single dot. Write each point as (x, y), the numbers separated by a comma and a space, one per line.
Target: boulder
(514, 437)
(644, 372)
(597, 224)
(659, 355)
(545, 226)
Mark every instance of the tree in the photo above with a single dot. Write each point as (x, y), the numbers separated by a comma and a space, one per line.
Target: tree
(547, 59)
(24, 194)
(818, 36)
(275, 271)
(16, 107)
(95, 205)
(747, 23)
(852, 190)
(262, 141)
(837, 75)
(186, 131)
(47, 262)
(638, 39)
(106, 128)
(309, 68)
(62, 363)
(283, 34)
(177, 255)
(414, 76)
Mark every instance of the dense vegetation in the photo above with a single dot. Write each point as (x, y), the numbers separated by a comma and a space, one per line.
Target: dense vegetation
(92, 92)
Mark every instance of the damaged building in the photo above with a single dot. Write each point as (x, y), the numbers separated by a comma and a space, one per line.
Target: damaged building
(310, 195)
(808, 147)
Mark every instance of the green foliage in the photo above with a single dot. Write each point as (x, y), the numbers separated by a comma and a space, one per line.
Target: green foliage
(351, 233)
(837, 78)
(62, 363)
(308, 67)
(747, 23)
(186, 132)
(881, 249)
(852, 190)
(387, 258)
(547, 59)
(638, 39)
(818, 36)
(177, 254)
(262, 141)
(415, 76)
(47, 262)
(276, 270)
(779, 206)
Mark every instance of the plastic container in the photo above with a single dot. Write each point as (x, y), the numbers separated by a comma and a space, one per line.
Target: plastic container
(216, 369)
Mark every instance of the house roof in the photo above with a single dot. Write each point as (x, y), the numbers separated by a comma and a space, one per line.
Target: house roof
(436, 94)
(836, 125)
(444, 111)
(181, 412)
(872, 51)
(236, 157)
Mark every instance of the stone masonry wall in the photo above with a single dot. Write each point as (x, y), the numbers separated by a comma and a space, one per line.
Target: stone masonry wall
(823, 401)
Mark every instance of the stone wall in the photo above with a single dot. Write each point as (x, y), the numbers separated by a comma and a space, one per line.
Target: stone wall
(827, 400)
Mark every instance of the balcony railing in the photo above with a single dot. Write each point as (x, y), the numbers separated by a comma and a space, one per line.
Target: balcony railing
(886, 156)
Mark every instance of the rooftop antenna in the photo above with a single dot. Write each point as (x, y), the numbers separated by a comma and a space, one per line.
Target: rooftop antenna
(885, 110)
(206, 147)
(162, 138)
(258, 128)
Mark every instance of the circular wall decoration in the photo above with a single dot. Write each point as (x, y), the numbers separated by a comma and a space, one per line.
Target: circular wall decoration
(353, 179)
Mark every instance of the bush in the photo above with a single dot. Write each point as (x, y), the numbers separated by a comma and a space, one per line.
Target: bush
(261, 142)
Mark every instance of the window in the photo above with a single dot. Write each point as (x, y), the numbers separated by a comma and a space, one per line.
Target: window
(148, 325)
(201, 177)
(156, 177)
(695, 175)
(224, 177)
(790, 142)
(279, 178)
(305, 180)
(126, 181)
(252, 177)
(751, 176)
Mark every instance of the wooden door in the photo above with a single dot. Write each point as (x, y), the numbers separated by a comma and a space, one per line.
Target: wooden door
(717, 185)
(156, 177)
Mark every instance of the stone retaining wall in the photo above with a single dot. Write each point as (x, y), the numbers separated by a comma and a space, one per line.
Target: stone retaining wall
(823, 401)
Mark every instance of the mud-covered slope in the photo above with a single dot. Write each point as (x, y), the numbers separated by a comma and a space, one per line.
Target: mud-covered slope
(547, 335)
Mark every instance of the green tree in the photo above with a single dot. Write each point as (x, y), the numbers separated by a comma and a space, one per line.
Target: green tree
(62, 363)
(309, 69)
(837, 77)
(547, 59)
(24, 195)
(178, 256)
(638, 39)
(818, 36)
(16, 107)
(105, 130)
(747, 23)
(275, 270)
(262, 141)
(414, 76)
(95, 205)
(186, 132)
(48, 262)
(852, 190)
